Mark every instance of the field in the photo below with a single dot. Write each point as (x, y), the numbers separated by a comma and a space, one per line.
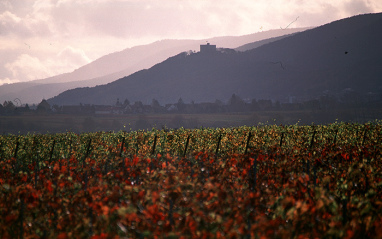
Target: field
(268, 181)
(24, 123)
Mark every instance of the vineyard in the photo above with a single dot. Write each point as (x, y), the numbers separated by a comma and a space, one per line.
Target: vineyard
(268, 181)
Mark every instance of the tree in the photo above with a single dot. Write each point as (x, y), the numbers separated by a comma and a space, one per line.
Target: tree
(254, 105)
(9, 107)
(180, 105)
(156, 106)
(44, 106)
(126, 103)
(265, 104)
(155, 103)
(138, 107)
(236, 103)
(277, 105)
(235, 100)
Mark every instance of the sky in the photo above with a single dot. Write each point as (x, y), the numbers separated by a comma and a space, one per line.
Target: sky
(42, 38)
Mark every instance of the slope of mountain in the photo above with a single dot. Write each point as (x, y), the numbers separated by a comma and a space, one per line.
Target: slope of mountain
(253, 45)
(331, 58)
(119, 64)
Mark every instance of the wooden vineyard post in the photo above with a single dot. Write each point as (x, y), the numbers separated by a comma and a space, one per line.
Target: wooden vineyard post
(253, 170)
(163, 143)
(16, 149)
(35, 174)
(154, 144)
(85, 175)
(1, 151)
(202, 169)
(247, 145)
(281, 139)
(51, 151)
(36, 161)
(314, 175)
(120, 155)
(123, 142)
(218, 145)
(335, 137)
(364, 136)
(253, 175)
(307, 167)
(70, 149)
(344, 211)
(248, 235)
(21, 219)
(185, 148)
(312, 140)
(87, 153)
(311, 146)
(136, 148)
(68, 157)
(170, 211)
(307, 164)
(16, 166)
(91, 221)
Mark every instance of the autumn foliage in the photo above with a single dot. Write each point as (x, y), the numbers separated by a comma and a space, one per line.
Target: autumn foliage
(320, 181)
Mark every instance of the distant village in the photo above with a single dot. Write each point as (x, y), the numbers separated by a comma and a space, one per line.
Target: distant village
(235, 104)
(349, 99)
(124, 115)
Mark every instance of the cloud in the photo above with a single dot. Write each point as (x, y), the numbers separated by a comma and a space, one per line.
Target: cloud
(29, 26)
(188, 18)
(73, 57)
(8, 21)
(5, 4)
(354, 7)
(8, 81)
(173, 18)
(27, 67)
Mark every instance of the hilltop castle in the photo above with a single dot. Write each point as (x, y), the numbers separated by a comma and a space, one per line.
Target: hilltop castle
(207, 48)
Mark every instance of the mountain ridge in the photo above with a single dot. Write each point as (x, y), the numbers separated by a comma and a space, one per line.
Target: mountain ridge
(329, 58)
(123, 63)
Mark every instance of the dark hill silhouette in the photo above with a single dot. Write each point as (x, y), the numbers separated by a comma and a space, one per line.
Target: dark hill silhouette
(331, 58)
(123, 63)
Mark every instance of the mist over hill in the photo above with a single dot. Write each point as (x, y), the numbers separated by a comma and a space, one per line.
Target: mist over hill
(123, 63)
(344, 55)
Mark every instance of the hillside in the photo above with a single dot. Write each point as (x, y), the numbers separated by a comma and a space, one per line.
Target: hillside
(341, 56)
(253, 45)
(119, 64)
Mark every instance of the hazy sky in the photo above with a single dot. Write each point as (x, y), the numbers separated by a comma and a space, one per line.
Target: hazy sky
(42, 38)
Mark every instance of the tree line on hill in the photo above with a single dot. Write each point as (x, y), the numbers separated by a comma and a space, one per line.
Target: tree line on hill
(348, 100)
(42, 118)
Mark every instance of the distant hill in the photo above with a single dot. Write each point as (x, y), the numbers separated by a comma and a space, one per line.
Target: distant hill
(253, 45)
(119, 64)
(342, 55)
